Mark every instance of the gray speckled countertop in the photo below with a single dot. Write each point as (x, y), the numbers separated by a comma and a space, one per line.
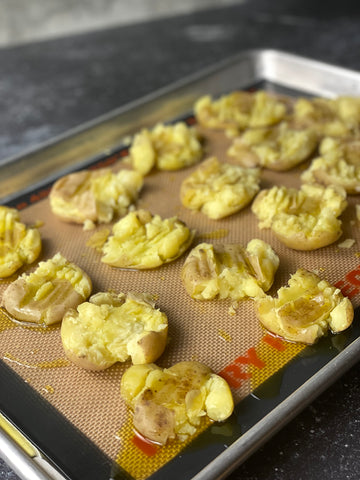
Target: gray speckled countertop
(48, 87)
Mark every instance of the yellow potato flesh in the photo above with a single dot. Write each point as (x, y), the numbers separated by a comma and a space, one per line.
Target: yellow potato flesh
(167, 147)
(323, 115)
(239, 110)
(219, 189)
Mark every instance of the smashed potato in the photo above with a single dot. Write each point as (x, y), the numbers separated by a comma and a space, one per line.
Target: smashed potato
(112, 328)
(229, 271)
(219, 189)
(328, 117)
(348, 109)
(141, 240)
(305, 219)
(338, 164)
(277, 148)
(96, 195)
(239, 110)
(170, 403)
(44, 295)
(19, 244)
(306, 309)
(166, 147)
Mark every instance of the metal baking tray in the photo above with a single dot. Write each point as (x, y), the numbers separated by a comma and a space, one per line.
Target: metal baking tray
(25, 419)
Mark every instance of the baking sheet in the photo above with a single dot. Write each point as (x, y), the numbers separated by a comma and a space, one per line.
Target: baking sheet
(271, 380)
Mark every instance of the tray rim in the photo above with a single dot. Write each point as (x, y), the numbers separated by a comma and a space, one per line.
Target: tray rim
(263, 69)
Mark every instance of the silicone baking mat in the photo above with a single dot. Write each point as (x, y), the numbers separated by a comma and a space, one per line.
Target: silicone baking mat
(84, 411)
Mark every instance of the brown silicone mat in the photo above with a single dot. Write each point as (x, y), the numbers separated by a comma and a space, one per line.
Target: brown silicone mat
(234, 344)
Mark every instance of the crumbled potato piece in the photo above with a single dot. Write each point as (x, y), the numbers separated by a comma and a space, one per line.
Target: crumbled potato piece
(229, 271)
(338, 164)
(112, 328)
(96, 195)
(240, 110)
(306, 309)
(44, 295)
(19, 244)
(142, 240)
(170, 403)
(278, 148)
(166, 147)
(304, 219)
(219, 189)
(347, 243)
(98, 239)
(324, 115)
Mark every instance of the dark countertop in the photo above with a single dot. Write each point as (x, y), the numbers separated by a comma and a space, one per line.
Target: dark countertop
(48, 87)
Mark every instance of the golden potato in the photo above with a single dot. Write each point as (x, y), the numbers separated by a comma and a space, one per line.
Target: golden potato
(280, 147)
(112, 328)
(170, 403)
(305, 310)
(304, 219)
(45, 295)
(95, 195)
(240, 110)
(219, 189)
(338, 164)
(323, 115)
(19, 244)
(142, 240)
(229, 271)
(166, 147)
(348, 109)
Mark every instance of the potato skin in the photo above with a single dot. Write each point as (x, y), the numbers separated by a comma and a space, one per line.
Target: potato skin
(61, 197)
(149, 347)
(156, 421)
(299, 241)
(17, 291)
